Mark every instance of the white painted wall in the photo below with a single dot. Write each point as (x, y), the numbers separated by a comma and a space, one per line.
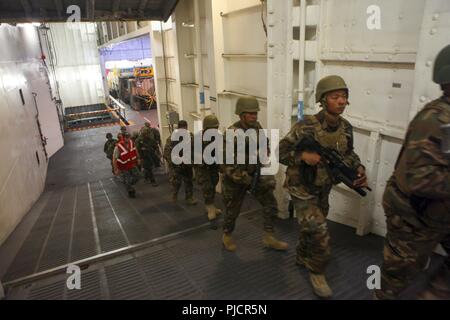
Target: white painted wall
(388, 71)
(22, 179)
(78, 70)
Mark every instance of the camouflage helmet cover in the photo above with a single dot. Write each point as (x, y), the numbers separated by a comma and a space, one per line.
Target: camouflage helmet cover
(145, 131)
(328, 84)
(210, 122)
(441, 71)
(246, 105)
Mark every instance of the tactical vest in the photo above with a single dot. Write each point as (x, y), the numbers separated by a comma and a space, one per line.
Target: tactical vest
(247, 167)
(128, 156)
(337, 140)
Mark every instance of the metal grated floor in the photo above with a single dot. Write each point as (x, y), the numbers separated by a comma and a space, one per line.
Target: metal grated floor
(82, 219)
(195, 266)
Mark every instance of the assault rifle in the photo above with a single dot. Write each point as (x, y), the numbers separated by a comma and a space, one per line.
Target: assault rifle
(339, 169)
(255, 179)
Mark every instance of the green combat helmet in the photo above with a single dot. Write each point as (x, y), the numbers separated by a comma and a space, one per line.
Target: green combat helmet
(246, 105)
(328, 84)
(441, 72)
(210, 122)
(145, 131)
(123, 129)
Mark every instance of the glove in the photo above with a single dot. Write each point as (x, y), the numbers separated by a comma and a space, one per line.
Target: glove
(242, 178)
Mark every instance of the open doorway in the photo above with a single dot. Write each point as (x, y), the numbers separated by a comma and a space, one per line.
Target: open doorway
(128, 73)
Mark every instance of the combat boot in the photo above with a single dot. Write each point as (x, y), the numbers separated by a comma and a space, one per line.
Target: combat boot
(228, 242)
(320, 285)
(271, 242)
(439, 287)
(211, 212)
(299, 262)
(191, 201)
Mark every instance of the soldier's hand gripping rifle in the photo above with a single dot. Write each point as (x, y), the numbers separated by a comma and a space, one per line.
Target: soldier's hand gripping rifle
(339, 169)
(255, 179)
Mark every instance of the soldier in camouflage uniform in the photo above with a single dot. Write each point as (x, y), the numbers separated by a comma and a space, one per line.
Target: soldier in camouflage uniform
(146, 145)
(181, 172)
(123, 129)
(208, 174)
(417, 197)
(157, 136)
(108, 148)
(308, 179)
(237, 179)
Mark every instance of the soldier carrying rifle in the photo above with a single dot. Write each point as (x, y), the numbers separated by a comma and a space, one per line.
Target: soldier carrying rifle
(310, 175)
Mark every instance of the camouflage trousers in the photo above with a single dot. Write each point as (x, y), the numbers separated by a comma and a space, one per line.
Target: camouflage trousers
(409, 243)
(112, 166)
(313, 247)
(207, 178)
(180, 174)
(130, 178)
(147, 164)
(234, 195)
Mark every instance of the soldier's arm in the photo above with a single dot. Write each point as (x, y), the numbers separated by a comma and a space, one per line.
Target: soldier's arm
(116, 154)
(167, 149)
(351, 157)
(288, 145)
(157, 137)
(427, 172)
(105, 147)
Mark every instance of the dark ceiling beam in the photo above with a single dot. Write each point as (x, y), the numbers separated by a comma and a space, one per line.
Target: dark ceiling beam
(26, 5)
(90, 10)
(169, 7)
(59, 7)
(18, 17)
(43, 12)
(115, 6)
(141, 8)
(142, 5)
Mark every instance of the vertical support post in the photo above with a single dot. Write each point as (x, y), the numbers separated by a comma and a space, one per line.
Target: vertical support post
(112, 32)
(280, 81)
(209, 39)
(105, 32)
(199, 58)
(2, 291)
(301, 62)
(367, 206)
(118, 29)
